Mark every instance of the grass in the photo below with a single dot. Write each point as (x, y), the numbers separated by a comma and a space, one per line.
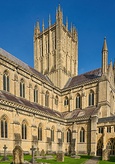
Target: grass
(52, 161)
(67, 160)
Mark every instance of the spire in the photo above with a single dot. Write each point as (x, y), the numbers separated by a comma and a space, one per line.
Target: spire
(43, 25)
(105, 45)
(104, 57)
(49, 22)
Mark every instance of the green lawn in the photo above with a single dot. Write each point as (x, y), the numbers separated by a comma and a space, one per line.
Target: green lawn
(67, 160)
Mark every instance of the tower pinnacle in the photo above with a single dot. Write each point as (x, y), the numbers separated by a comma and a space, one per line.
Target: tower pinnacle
(36, 29)
(105, 45)
(59, 8)
(37, 25)
(49, 22)
(59, 15)
(43, 25)
(104, 57)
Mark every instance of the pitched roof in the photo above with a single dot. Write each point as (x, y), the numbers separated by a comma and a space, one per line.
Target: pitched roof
(76, 114)
(83, 78)
(13, 59)
(21, 101)
(24, 65)
(80, 114)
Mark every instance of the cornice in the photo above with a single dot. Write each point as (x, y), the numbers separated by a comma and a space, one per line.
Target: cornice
(24, 110)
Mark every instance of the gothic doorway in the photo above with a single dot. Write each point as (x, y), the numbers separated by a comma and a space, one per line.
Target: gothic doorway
(111, 146)
(99, 147)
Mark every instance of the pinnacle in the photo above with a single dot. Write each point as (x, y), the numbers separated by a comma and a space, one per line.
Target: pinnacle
(105, 45)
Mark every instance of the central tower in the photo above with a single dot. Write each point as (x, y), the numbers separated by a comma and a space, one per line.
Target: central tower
(56, 50)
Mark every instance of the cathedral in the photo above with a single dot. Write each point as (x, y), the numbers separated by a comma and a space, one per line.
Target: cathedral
(51, 106)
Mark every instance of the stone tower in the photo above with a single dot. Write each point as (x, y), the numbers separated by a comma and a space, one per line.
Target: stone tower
(56, 50)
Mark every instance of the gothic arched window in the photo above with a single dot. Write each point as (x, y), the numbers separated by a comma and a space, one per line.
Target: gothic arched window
(4, 128)
(24, 130)
(68, 135)
(40, 132)
(47, 99)
(66, 101)
(22, 88)
(78, 101)
(99, 147)
(82, 135)
(91, 98)
(111, 146)
(35, 94)
(6, 81)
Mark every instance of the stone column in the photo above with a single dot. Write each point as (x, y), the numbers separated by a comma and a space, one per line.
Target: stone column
(104, 137)
(70, 101)
(93, 135)
(42, 95)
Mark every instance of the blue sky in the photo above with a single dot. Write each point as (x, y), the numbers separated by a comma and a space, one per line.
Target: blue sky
(94, 19)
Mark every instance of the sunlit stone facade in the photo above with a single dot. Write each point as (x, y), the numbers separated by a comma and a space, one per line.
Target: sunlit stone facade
(50, 106)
